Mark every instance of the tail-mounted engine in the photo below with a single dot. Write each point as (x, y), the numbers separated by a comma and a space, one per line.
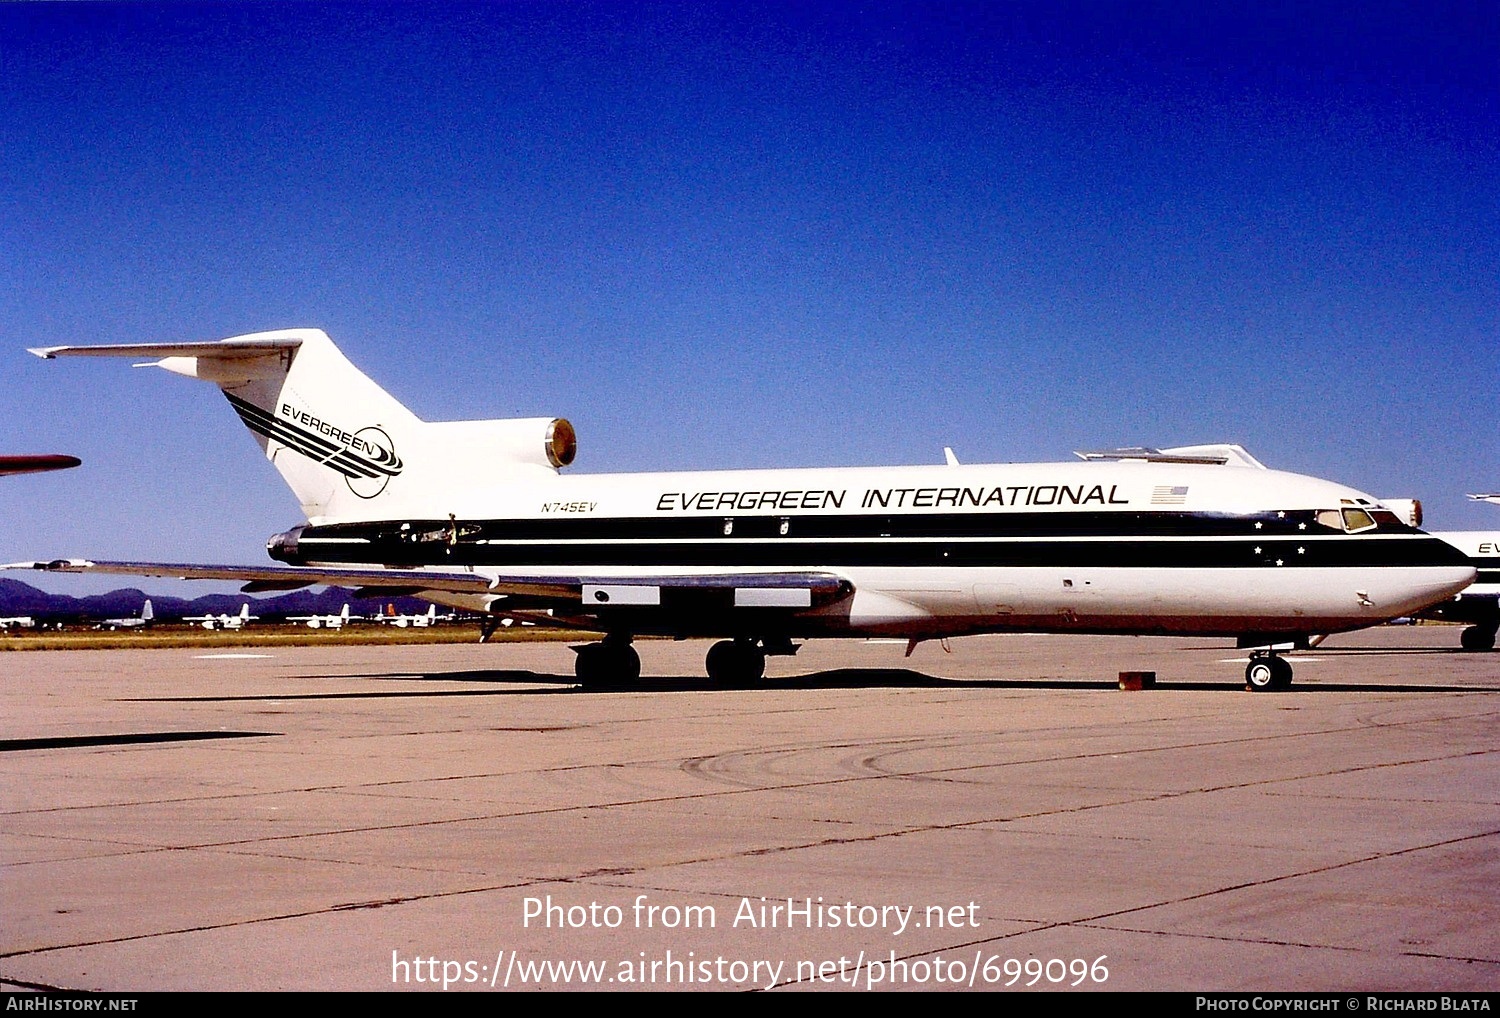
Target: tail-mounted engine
(480, 446)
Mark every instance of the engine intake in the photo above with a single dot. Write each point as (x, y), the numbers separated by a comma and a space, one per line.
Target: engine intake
(561, 442)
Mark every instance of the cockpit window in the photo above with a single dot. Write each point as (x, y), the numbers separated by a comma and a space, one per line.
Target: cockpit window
(1357, 520)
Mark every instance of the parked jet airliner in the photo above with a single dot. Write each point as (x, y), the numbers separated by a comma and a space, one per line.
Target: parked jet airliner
(1200, 541)
(1479, 605)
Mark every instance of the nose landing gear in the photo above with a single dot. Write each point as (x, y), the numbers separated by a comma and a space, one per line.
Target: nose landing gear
(1266, 671)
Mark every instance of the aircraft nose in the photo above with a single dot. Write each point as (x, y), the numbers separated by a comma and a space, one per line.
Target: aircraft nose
(1429, 586)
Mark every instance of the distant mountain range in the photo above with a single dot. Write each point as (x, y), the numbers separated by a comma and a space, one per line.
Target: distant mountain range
(17, 598)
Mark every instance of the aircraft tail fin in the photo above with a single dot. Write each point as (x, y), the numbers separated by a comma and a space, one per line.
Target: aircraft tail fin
(340, 441)
(147, 612)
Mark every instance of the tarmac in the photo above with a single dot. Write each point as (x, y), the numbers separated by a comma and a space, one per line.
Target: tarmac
(463, 817)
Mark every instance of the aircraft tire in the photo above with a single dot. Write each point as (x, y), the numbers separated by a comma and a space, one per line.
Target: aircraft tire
(626, 664)
(754, 663)
(587, 666)
(1268, 673)
(1478, 638)
(1281, 673)
(601, 664)
(1258, 674)
(735, 662)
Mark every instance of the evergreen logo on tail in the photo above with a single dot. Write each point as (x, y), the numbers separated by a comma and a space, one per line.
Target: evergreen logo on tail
(367, 457)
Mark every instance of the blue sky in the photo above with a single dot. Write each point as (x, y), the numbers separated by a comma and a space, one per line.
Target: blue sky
(753, 235)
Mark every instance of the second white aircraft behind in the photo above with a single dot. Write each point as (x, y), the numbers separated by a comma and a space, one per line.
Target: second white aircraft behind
(476, 515)
(338, 621)
(223, 620)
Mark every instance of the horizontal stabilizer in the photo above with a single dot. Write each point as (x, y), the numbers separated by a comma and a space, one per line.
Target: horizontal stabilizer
(228, 349)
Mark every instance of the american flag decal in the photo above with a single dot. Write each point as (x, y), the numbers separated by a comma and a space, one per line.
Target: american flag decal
(1168, 495)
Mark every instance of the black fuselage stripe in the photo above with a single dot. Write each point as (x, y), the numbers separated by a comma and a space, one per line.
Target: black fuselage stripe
(1119, 525)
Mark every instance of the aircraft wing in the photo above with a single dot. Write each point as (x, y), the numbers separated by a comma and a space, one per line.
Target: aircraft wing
(773, 590)
(272, 577)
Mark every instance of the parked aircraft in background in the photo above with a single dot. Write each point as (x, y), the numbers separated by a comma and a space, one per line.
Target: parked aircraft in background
(417, 621)
(338, 621)
(1200, 540)
(1478, 605)
(224, 621)
(36, 464)
(141, 621)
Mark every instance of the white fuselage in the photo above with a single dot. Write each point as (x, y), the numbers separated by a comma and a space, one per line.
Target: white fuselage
(1083, 547)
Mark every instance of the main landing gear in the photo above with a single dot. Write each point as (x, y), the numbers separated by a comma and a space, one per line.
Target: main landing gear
(612, 661)
(735, 662)
(1267, 671)
(1478, 638)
